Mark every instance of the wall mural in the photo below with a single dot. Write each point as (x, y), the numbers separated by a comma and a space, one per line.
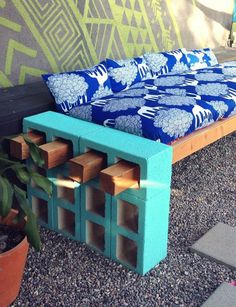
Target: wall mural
(234, 24)
(39, 36)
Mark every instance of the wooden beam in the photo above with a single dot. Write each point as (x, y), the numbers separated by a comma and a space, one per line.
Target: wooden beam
(119, 177)
(199, 139)
(19, 149)
(56, 153)
(87, 166)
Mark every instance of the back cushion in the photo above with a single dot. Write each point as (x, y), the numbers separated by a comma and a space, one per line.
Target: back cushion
(70, 89)
(201, 58)
(124, 73)
(163, 62)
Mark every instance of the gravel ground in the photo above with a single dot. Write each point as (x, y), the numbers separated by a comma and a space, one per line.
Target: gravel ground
(67, 273)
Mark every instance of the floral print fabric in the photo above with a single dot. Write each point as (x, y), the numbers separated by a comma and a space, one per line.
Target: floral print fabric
(124, 73)
(201, 58)
(168, 107)
(164, 62)
(71, 89)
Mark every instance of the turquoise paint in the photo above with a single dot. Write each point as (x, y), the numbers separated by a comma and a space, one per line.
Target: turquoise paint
(38, 193)
(90, 215)
(152, 199)
(152, 235)
(56, 125)
(154, 159)
(74, 208)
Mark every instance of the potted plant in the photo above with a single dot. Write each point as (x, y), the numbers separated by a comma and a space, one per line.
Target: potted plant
(18, 228)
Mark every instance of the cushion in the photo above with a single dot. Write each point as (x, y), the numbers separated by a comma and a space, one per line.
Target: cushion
(201, 58)
(124, 73)
(163, 62)
(73, 88)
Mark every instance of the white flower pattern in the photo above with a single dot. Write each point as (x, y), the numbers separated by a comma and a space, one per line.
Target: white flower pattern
(169, 81)
(177, 100)
(220, 106)
(176, 91)
(125, 74)
(179, 67)
(156, 61)
(130, 124)
(102, 92)
(132, 92)
(82, 112)
(124, 104)
(174, 122)
(209, 76)
(212, 89)
(229, 71)
(67, 87)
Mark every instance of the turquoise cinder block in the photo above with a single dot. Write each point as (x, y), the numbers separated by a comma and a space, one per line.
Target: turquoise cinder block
(56, 125)
(66, 208)
(131, 228)
(140, 243)
(154, 159)
(41, 205)
(95, 217)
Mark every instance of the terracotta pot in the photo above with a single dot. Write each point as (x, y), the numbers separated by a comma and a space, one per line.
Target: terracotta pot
(12, 264)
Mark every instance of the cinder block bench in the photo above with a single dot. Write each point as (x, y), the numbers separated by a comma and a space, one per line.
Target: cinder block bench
(130, 227)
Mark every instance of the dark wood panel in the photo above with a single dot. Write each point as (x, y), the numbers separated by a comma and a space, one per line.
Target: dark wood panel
(13, 124)
(20, 101)
(19, 91)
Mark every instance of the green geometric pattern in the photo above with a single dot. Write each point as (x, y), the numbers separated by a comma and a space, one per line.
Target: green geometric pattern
(40, 36)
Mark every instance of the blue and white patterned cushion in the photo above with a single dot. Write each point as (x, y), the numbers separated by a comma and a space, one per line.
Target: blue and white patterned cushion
(167, 107)
(201, 58)
(70, 89)
(165, 62)
(124, 73)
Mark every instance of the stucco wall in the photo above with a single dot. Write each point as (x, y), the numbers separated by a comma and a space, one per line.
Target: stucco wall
(38, 36)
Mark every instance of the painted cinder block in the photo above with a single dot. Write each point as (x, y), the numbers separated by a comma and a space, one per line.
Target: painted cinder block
(42, 206)
(139, 230)
(137, 236)
(56, 125)
(95, 217)
(66, 207)
(154, 159)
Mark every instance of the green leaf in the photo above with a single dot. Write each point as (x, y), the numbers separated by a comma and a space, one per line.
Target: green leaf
(42, 182)
(4, 162)
(31, 227)
(6, 196)
(34, 151)
(23, 175)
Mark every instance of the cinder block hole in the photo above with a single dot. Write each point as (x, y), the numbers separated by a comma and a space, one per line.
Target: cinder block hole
(127, 215)
(66, 189)
(40, 208)
(126, 250)
(35, 132)
(95, 235)
(95, 201)
(66, 220)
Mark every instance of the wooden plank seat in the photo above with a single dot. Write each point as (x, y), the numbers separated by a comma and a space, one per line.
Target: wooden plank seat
(199, 139)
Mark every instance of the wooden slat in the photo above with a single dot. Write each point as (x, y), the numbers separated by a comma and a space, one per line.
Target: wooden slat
(56, 153)
(87, 166)
(19, 149)
(119, 177)
(203, 137)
